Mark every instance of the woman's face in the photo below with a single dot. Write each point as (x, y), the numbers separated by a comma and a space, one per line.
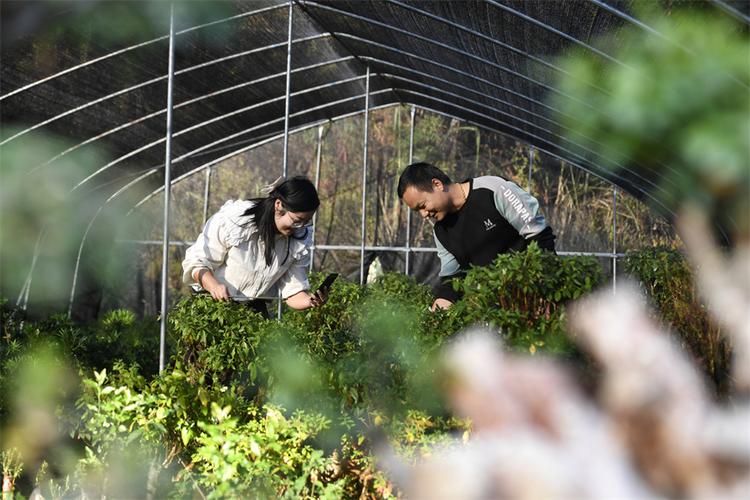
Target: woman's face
(287, 222)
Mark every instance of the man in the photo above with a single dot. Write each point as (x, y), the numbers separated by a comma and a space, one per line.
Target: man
(474, 221)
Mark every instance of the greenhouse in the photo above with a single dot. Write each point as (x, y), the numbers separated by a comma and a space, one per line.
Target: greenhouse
(127, 126)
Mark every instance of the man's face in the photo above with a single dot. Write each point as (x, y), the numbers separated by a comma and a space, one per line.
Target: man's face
(434, 204)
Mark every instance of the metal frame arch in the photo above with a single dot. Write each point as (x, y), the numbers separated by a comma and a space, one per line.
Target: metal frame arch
(410, 55)
(447, 67)
(150, 82)
(187, 103)
(460, 116)
(575, 163)
(133, 47)
(731, 11)
(463, 87)
(213, 120)
(277, 75)
(258, 126)
(489, 39)
(191, 153)
(495, 110)
(263, 142)
(428, 96)
(451, 48)
(439, 90)
(551, 29)
(580, 166)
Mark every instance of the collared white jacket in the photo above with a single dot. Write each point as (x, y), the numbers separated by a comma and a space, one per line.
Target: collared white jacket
(230, 246)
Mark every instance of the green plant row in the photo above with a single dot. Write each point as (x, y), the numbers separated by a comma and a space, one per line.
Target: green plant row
(665, 276)
(249, 407)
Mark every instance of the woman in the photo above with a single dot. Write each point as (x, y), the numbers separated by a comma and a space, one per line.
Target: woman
(252, 248)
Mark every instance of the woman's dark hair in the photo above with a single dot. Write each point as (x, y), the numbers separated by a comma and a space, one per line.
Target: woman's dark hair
(296, 194)
(420, 176)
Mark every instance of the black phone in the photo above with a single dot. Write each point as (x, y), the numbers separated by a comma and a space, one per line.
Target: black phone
(326, 285)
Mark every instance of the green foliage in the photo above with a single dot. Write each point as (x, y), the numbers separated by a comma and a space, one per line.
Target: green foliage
(11, 463)
(216, 341)
(118, 336)
(666, 277)
(268, 456)
(523, 295)
(675, 109)
(255, 407)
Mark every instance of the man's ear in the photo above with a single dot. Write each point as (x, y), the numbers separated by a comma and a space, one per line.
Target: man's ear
(278, 206)
(438, 185)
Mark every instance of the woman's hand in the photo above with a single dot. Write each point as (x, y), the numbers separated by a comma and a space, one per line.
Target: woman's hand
(307, 300)
(218, 291)
(206, 279)
(318, 298)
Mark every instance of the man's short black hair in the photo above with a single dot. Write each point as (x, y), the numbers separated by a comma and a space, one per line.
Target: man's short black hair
(420, 176)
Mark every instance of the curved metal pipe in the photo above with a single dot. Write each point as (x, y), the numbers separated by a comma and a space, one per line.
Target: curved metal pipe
(241, 110)
(186, 103)
(380, 61)
(78, 260)
(133, 47)
(442, 113)
(732, 11)
(147, 83)
(646, 194)
(253, 146)
(559, 33)
(450, 48)
(449, 68)
(570, 160)
(493, 41)
(482, 105)
(626, 17)
(202, 124)
(428, 96)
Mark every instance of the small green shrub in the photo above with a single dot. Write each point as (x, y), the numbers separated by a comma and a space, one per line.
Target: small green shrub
(666, 277)
(362, 366)
(268, 456)
(523, 294)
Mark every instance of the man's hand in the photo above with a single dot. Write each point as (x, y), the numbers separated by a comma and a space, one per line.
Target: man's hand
(440, 304)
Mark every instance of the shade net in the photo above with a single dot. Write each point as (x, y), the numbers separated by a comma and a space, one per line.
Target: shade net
(491, 62)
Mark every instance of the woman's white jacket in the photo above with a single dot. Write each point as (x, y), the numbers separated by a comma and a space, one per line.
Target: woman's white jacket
(230, 246)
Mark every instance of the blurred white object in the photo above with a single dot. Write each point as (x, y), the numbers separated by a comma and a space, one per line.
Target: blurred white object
(375, 271)
(654, 433)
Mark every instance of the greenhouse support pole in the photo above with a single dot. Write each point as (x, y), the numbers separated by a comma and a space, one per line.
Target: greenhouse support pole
(531, 162)
(318, 155)
(614, 239)
(364, 180)
(287, 95)
(284, 163)
(167, 194)
(23, 296)
(78, 262)
(206, 194)
(408, 210)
